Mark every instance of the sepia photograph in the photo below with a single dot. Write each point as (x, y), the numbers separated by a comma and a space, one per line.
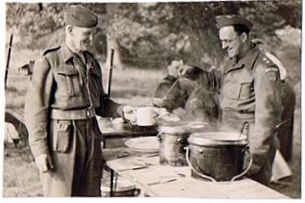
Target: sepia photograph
(178, 99)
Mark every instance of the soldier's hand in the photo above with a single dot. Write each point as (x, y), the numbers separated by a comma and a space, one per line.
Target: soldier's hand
(185, 70)
(129, 113)
(44, 163)
(128, 109)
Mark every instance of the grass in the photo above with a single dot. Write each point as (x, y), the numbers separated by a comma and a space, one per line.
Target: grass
(133, 86)
(20, 176)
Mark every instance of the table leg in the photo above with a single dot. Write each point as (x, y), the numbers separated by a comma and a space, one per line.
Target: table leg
(103, 143)
(111, 182)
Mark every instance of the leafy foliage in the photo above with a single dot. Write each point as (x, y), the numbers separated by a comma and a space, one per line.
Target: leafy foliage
(153, 34)
(26, 18)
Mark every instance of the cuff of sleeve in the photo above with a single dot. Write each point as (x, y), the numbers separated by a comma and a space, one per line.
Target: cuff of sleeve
(38, 150)
(254, 169)
(120, 110)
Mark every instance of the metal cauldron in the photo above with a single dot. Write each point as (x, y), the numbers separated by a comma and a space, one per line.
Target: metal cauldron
(217, 156)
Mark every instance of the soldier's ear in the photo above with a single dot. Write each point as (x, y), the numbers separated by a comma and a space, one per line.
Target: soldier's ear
(69, 29)
(244, 37)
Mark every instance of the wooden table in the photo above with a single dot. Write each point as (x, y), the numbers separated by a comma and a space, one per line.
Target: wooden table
(126, 132)
(157, 180)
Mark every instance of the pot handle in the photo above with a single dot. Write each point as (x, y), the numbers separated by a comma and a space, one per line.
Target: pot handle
(159, 138)
(197, 172)
(246, 170)
(137, 191)
(279, 125)
(245, 129)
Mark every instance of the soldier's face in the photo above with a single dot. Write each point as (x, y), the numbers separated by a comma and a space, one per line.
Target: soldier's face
(230, 41)
(82, 38)
(174, 68)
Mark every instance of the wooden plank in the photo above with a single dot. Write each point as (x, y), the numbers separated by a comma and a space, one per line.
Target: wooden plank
(126, 131)
(168, 181)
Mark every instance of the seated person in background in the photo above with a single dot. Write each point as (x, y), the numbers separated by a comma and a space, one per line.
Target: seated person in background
(189, 92)
(169, 94)
(202, 104)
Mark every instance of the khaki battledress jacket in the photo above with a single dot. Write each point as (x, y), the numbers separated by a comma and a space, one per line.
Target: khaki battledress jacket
(64, 95)
(175, 95)
(251, 92)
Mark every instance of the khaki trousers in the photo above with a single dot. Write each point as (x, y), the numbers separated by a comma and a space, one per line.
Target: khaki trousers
(75, 148)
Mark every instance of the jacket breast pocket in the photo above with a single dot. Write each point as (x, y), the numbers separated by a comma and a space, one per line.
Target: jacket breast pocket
(245, 90)
(62, 136)
(69, 81)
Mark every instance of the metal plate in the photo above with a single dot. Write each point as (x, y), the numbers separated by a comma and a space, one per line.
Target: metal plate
(143, 144)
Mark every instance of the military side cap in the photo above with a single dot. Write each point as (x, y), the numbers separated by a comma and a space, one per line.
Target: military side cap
(227, 20)
(80, 16)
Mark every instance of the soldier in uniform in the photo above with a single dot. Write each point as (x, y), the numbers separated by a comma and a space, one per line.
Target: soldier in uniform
(202, 104)
(64, 96)
(250, 92)
(170, 90)
(285, 130)
(191, 89)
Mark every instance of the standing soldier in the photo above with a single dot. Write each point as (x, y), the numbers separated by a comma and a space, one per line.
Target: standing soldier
(285, 130)
(65, 94)
(250, 93)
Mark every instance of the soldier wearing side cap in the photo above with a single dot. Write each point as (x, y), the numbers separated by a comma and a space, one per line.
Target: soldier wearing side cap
(250, 92)
(249, 86)
(65, 94)
(170, 89)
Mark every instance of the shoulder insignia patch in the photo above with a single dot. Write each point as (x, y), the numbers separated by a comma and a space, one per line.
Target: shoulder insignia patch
(50, 50)
(267, 61)
(272, 68)
(272, 73)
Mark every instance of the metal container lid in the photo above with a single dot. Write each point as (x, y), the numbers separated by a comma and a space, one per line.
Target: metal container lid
(217, 138)
(197, 126)
(173, 128)
(182, 127)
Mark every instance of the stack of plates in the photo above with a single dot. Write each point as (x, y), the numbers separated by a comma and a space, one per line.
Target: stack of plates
(143, 144)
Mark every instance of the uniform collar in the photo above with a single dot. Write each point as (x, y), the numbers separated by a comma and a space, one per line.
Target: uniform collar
(66, 52)
(246, 61)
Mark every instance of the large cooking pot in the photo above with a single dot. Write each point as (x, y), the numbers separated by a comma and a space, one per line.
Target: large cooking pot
(173, 140)
(217, 156)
